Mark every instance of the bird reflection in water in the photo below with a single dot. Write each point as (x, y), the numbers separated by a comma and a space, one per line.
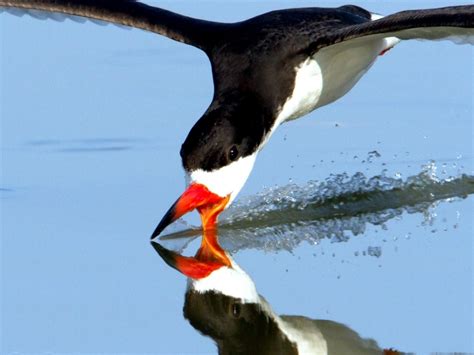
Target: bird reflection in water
(222, 302)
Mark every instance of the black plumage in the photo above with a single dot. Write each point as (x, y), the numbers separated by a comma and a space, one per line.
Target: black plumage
(254, 61)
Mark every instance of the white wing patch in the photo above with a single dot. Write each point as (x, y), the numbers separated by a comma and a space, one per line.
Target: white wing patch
(456, 35)
(308, 340)
(374, 16)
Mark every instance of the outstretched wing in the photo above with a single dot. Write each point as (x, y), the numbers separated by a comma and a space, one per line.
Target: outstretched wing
(195, 32)
(455, 23)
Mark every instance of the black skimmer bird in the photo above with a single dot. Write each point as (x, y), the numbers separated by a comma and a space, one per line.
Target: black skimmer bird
(267, 70)
(222, 302)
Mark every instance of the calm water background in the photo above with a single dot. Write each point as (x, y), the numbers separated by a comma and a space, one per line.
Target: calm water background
(92, 119)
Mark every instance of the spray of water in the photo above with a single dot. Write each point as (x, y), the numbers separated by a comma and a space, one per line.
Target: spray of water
(282, 217)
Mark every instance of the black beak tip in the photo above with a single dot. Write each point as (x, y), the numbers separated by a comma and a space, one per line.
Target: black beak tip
(168, 256)
(155, 234)
(167, 219)
(159, 248)
(161, 226)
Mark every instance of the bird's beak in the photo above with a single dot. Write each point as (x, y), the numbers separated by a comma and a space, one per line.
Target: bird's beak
(209, 257)
(196, 196)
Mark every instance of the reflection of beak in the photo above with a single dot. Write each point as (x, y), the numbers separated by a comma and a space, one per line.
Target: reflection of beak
(209, 257)
(196, 196)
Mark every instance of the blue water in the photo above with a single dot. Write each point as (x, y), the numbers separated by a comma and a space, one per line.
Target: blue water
(92, 119)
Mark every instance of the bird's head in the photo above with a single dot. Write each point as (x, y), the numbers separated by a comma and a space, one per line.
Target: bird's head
(218, 156)
(211, 269)
(221, 301)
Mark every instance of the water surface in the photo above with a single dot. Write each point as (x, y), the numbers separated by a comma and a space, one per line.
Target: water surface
(359, 213)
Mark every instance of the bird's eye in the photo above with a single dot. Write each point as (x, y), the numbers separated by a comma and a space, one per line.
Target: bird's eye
(236, 310)
(233, 153)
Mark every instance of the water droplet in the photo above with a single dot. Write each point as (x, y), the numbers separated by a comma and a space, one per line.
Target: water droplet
(374, 251)
(375, 154)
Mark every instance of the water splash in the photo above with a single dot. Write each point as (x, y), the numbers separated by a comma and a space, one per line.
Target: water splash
(282, 217)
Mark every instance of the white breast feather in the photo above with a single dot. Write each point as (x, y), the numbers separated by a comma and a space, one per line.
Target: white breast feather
(306, 93)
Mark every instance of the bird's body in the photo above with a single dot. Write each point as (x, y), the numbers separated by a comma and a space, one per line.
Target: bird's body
(266, 70)
(222, 302)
